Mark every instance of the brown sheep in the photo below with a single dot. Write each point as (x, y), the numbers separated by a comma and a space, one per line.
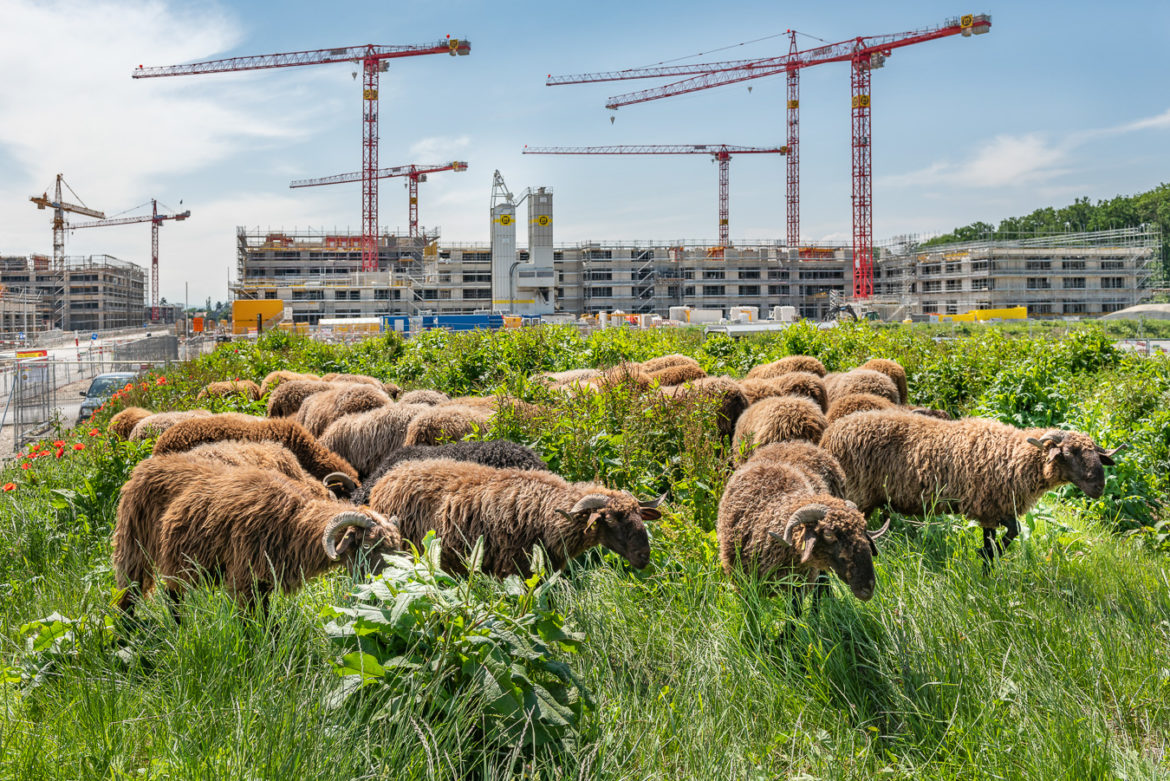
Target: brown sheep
(245, 388)
(894, 371)
(823, 471)
(154, 425)
(563, 379)
(272, 456)
(857, 402)
(861, 381)
(791, 363)
(773, 522)
(514, 510)
(122, 423)
(622, 374)
(317, 460)
(805, 384)
(321, 409)
(365, 438)
(725, 391)
(778, 419)
(286, 399)
(676, 375)
(274, 379)
(941, 414)
(424, 396)
(663, 361)
(986, 470)
(443, 423)
(180, 520)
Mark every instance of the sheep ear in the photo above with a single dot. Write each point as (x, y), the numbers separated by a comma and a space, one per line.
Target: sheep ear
(1053, 454)
(649, 514)
(778, 536)
(809, 542)
(873, 549)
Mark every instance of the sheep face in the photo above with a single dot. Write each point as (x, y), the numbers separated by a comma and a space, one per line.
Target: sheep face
(619, 524)
(362, 532)
(1075, 458)
(834, 538)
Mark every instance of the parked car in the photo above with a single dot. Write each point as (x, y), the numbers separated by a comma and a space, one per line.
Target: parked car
(102, 387)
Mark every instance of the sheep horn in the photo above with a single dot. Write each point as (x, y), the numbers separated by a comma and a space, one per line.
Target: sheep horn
(652, 503)
(342, 521)
(339, 480)
(590, 502)
(810, 513)
(1054, 437)
(876, 533)
(1114, 451)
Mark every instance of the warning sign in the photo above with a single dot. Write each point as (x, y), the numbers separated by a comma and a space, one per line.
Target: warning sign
(504, 219)
(543, 220)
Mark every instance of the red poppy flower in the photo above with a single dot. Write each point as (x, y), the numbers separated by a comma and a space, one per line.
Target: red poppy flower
(25, 465)
(59, 443)
(129, 387)
(10, 486)
(60, 452)
(79, 446)
(93, 432)
(161, 381)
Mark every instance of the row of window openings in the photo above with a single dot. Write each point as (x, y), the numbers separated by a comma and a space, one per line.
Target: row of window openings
(1031, 265)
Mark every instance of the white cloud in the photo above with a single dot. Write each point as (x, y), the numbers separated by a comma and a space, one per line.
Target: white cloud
(437, 149)
(1006, 160)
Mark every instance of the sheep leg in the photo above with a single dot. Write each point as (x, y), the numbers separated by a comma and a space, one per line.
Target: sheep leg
(988, 549)
(1013, 530)
(820, 588)
(173, 595)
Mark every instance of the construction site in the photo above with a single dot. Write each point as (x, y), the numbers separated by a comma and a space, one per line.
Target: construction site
(309, 278)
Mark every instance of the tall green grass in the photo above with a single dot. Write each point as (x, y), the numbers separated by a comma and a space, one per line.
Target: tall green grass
(1055, 665)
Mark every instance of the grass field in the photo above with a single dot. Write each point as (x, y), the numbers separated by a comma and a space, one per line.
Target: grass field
(1055, 665)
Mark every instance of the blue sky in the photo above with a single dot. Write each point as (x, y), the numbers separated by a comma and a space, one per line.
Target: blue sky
(1060, 100)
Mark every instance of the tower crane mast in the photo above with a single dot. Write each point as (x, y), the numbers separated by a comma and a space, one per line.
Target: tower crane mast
(864, 53)
(374, 60)
(721, 153)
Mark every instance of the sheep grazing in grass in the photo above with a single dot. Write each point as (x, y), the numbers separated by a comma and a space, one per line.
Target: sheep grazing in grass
(894, 371)
(665, 361)
(861, 381)
(497, 453)
(514, 510)
(989, 471)
(940, 414)
(321, 409)
(774, 522)
(566, 378)
(778, 419)
(274, 379)
(623, 374)
(365, 438)
(392, 390)
(823, 471)
(676, 375)
(723, 391)
(426, 396)
(857, 402)
(317, 460)
(254, 530)
(246, 388)
(804, 384)
(275, 457)
(123, 422)
(791, 363)
(445, 423)
(286, 398)
(155, 425)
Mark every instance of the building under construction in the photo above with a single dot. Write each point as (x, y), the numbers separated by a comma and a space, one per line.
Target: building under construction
(90, 293)
(318, 276)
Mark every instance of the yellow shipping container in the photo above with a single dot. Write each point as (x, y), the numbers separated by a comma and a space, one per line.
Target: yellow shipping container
(244, 313)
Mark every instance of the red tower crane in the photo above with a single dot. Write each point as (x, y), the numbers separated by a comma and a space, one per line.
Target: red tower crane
(865, 55)
(156, 220)
(414, 174)
(374, 61)
(721, 153)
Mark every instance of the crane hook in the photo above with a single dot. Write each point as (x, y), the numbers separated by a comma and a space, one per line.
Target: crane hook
(611, 119)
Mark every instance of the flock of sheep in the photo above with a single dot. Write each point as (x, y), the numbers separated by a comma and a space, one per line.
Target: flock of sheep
(345, 467)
